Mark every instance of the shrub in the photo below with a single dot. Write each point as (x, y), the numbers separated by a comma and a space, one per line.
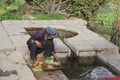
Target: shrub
(12, 7)
(105, 17)
(86, 9)
(109, 18)
(2, 11)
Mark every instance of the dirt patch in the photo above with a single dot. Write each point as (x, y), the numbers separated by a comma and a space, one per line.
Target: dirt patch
(7, 73)
(49, 75)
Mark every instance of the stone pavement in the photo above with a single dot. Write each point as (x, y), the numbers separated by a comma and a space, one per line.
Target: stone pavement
(5, 42)
(12, 64)
(13, 47)
(13, 67)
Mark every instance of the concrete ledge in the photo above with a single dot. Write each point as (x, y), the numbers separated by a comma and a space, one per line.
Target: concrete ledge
(87, 54)
(61, 49)
(89, 41)
(78, 45)
(111, 59)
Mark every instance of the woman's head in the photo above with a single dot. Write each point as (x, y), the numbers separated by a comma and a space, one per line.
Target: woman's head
(48, 36)
(51, 32)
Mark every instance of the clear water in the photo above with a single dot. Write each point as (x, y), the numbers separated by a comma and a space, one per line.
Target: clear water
(80, 68)
(76, 69)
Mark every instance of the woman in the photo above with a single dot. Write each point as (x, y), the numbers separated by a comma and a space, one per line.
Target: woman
(42, 41)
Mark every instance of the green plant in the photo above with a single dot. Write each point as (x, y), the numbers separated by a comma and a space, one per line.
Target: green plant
(19, 2)
(48, 16)
(106, 19)
(12, 7)
(107, 37)
(110, 23)
(9, 2)
(2, 11)
(10, 16)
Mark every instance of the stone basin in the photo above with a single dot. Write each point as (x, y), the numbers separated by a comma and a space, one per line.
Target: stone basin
(82, 44)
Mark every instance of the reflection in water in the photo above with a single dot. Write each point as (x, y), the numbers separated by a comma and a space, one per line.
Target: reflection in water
(74, 69)
(65, 34)
(82, 68)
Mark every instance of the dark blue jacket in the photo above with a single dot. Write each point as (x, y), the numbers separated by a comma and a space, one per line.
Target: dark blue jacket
(39, 36)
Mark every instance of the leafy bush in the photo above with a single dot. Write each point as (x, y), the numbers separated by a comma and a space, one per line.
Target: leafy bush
(9, 2)
(106, 17)
(12, 7)
(86, 8)
(107, 22)
(2, 11)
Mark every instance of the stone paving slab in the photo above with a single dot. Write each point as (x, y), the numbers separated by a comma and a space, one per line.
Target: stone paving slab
(80, 22)
(36, 23)
(6, 22)
(5, 43)
(78, 44)
(73, 25)
(56, 24)
(15, 66)
(111, 59)
(26, 23)
(61, 49)
(89, 41)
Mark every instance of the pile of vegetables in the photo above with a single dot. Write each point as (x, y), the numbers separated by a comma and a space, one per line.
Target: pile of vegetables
(51, 62)
(47, 64)
(37, 66)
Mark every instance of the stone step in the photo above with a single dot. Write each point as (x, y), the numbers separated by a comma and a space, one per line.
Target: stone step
(61, 49)
(111, 59)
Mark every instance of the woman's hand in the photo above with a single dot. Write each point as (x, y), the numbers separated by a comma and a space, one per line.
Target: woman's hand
(38, 43)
